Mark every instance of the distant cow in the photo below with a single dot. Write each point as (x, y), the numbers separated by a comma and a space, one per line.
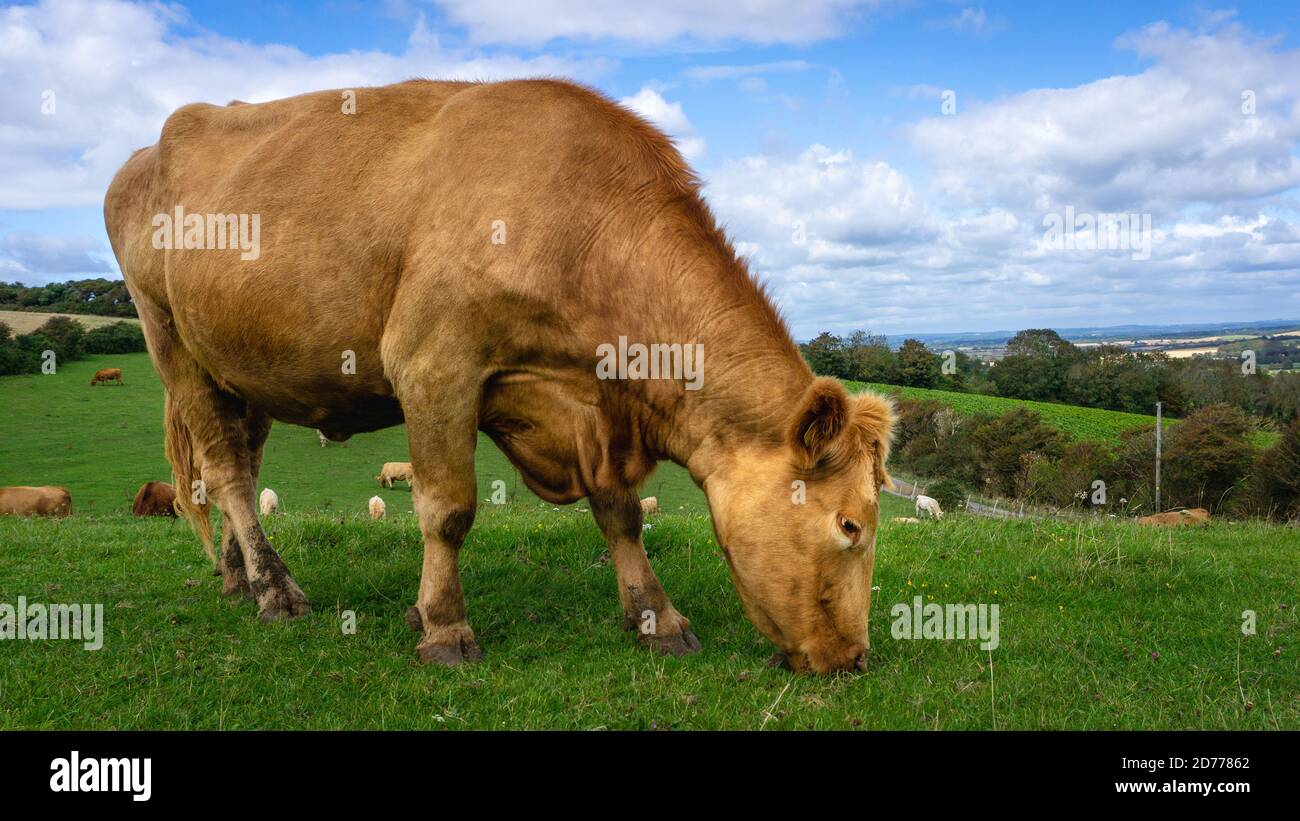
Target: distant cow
(378, 509)
(35, 501)
(926, 505)
(1176, 518)
(394, 472)
(155, 499)
(650, 506)
(269, 502)
(107, 375)
(905, 520)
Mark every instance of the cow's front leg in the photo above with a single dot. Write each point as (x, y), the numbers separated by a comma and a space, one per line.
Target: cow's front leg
(444, 495)
(230, 566)
(646, 608)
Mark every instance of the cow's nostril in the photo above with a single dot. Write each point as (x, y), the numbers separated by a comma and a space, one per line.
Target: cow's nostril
(861, 661)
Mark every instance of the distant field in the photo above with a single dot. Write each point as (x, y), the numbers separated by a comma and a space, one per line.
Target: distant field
(23, 322)
(102, 443)
(1081, 424)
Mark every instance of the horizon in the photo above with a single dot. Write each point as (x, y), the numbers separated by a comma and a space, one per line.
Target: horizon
(902, 167)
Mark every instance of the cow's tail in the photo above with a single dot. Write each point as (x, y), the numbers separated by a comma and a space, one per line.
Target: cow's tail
(186, 478)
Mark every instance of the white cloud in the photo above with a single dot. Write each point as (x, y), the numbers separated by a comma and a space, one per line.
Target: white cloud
(1172, 136)
(536, 22)
(116, 70)
(40, 258)
(670, 118)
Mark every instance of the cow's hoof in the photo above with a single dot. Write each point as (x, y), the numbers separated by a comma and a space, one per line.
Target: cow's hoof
(450, 655)
(286, 602)
(677, 644)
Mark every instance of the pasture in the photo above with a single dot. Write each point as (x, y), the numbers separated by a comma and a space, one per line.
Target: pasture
(1103, 624)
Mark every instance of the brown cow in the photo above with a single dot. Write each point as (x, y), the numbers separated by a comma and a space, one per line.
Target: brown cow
(395, 472)
(514, 235)
(1174, 518)
(154, 499)
(35, 501)
(107, 375)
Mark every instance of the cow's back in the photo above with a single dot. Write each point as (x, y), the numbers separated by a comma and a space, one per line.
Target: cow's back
(386, 219)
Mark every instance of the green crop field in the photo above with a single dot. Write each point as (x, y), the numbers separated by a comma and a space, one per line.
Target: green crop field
(1102, 624)
(1082, 424)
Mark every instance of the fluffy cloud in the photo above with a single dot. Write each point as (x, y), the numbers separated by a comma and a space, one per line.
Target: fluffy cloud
(37, 258)
(535, 22)
(1178, 134)
(670, 118)
(87, 82)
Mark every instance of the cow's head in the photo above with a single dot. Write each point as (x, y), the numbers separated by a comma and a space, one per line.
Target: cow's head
(797, 522)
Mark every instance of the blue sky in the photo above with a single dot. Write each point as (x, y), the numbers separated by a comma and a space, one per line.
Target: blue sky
(823, 121)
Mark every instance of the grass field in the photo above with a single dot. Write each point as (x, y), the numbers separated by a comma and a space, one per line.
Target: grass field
(1102, 624)
(23, 322)
(1081, 424)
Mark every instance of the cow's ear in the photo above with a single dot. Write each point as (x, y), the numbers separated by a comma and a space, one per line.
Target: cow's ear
(820, 420)
(873, 416)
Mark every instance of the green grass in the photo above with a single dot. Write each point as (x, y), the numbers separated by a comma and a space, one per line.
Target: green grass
(1080, 424)
(1083, 607)
(1104, 624)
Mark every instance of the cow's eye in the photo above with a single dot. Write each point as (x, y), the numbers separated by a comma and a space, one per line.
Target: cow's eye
(850, 527)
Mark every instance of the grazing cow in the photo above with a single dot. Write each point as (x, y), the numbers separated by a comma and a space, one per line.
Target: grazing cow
(1176, 518)
(378, 509)
(107, 375)
(268, 502)
(35, 501)
(454, 326)
(395, 472)
(927, 506)
(323, 439)
(650, 506)
(155, 499)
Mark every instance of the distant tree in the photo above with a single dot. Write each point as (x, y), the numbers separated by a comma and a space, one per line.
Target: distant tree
(1208, 456)
(66, 336)
(917, 366)
(1274, 483)
(825, 354)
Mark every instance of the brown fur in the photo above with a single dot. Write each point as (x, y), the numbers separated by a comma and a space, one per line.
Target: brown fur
(107, 375)
(376, 238)
(1175, 518)
(154, 499)
(35, 501)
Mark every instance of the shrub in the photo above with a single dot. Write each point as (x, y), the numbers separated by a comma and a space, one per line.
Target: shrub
(1208, 457)
(1273, 487)
(120, 337)
(949, 493)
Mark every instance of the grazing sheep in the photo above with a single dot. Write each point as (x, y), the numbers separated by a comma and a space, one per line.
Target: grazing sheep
(269, 502)
(650, 506)
(926, 505)
(378, 509)
(395, 472)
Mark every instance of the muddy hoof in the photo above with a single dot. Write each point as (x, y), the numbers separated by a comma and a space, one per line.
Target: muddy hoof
(450, 655)
(284, 603)
(677, 644)
(413, 619)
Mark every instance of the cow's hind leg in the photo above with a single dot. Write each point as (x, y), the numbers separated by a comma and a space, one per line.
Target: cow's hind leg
(230, 566)
(442, 435)
(646, 608)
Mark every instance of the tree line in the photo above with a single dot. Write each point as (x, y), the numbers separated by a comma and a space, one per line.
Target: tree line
(1040, 365)
(99, 297)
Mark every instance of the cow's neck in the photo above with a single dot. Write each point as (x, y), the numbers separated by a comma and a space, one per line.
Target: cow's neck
(753, 375)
